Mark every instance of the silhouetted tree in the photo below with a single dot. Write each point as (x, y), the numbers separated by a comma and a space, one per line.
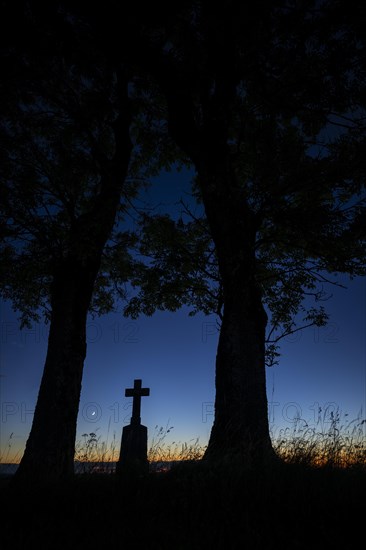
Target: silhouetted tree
(76, 146)
(267, 102)
(65, 154)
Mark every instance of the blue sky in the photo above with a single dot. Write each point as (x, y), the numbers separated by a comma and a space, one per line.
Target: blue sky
(174, 355)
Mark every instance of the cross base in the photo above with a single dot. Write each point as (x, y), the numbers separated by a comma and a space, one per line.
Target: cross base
(133, 455)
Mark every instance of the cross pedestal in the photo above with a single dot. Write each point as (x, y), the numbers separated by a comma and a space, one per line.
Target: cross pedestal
(133, 454)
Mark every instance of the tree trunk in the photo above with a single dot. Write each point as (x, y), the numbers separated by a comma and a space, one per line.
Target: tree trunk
(201, 123)
(240, 426)
(241, 418)
(50, 449)
(241, 422)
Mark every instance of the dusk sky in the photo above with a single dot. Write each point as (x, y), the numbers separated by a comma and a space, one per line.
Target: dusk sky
(174, 355)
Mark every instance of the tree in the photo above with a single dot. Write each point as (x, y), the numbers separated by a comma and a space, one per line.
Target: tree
(71, 166)
(66, 149)
(254, 98)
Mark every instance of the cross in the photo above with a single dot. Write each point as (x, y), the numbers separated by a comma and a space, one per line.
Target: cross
(136, 392)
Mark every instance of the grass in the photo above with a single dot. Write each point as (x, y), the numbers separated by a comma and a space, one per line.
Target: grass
(93, 455)
(332, 441)
(8, 456)
(312, 499)
(160, 451)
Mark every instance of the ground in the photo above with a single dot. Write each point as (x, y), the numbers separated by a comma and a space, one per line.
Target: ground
(193, 507)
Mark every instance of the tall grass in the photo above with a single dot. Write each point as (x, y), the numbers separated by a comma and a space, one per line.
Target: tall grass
(94, 455)
(332, 441)
(7, 456)
(160, 451)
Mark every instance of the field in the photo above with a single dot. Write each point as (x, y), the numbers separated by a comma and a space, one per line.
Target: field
(314, 497)
(191, 507)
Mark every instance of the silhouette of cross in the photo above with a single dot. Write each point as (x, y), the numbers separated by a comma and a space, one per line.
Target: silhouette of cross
(136, 392)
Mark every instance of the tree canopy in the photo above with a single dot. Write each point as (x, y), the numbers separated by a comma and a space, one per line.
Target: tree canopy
(278, 96)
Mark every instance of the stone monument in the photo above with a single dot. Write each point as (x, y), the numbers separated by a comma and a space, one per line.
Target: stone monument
(133, 454)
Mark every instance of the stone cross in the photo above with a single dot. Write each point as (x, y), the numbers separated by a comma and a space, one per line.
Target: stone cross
(133, 454)
(136, 392)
